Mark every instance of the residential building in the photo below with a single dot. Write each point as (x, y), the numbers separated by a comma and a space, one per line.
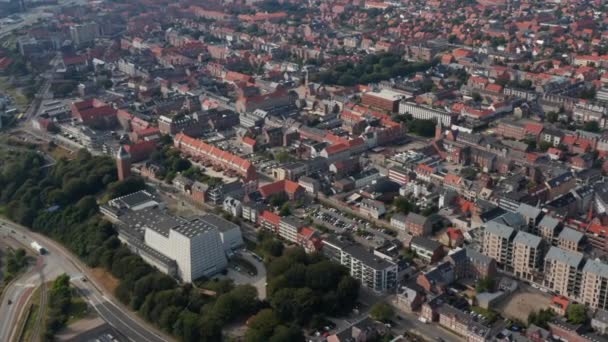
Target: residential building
(372, 208)
(563, 272)
(427, 113)
(373, 272)
(291, 189)
(429, 250)
(479, 266)
(570, 239)
(289, 227)
(532, 216)
(385, 99)
(186, 124)
(599, 322)
(418, 225)
(594, 285)
(199, 149)
(84, 33)
(549, 229)
(497, 243)
(528, 251)
(269, 220)
(398, 221)
(311, 185)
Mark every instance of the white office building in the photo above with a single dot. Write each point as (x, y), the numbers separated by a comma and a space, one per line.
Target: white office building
(184, 248)
(426, 113)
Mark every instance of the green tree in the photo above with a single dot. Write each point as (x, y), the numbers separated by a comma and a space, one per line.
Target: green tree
(552, 116)
(485, 284)
(285, 209)
(541, 318)
(381, 312)
(262, 325)
(591, 126)
(544, 146)
(577, 313)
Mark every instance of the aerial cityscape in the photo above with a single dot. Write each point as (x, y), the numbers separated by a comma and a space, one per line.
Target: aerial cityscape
(307, 171)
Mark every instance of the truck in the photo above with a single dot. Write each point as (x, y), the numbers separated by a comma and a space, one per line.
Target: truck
(38, 248)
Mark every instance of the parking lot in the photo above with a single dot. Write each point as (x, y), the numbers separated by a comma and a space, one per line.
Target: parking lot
(361, 230)
(240, 275)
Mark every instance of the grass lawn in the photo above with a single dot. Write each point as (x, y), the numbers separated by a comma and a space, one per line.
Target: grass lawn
(20, 100)
(59, 152)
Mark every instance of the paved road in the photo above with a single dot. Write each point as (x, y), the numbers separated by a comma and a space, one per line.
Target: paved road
(18, 292)
(57, 261)
(259, 280)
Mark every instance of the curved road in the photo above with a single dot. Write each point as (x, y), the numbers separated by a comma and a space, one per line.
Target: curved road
(58, 261)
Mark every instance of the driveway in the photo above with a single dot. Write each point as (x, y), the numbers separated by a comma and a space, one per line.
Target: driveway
(241, 277)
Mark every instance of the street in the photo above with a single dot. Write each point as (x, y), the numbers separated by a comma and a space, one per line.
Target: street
(57, 261)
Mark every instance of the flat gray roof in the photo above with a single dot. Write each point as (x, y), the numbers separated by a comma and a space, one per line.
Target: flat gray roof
(220, 223)
(152, 218)
(193, 228)
(368, 258)
(133, 199)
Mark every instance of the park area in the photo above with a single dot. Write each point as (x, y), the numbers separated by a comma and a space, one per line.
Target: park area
(522, 302)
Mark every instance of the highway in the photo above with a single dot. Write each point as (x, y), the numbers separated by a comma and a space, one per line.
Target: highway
(58, 261)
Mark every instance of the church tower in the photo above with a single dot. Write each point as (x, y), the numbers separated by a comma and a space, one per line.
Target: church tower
(123, 163)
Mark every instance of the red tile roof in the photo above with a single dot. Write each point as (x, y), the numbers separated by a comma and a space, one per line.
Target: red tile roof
(454, 233)
(533, 128)
(271, 217)
(336, 148)
(200, 148)
(560, 301)
(249, 141)
(91, 110)
(279, 186)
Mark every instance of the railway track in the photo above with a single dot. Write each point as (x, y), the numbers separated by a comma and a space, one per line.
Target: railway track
(37, 329)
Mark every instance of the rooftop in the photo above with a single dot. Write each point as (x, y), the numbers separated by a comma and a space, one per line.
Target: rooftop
(367, 258)
(527, 239)
(563, 256)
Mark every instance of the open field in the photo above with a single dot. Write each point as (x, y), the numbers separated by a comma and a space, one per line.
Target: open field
(522, 302)
(105, 278)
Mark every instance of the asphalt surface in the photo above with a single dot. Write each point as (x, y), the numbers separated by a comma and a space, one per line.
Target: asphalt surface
(54, 263)
(259, 280)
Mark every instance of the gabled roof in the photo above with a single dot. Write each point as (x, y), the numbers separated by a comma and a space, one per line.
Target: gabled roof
(270, 217)
(285, 185)
(563, 256)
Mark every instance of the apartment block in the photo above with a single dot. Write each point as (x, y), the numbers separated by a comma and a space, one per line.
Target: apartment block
(498, 243)
(528, 251)
(373, 272)
(289, 227)
(594, 285)
(549, 229)
(563, 272)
